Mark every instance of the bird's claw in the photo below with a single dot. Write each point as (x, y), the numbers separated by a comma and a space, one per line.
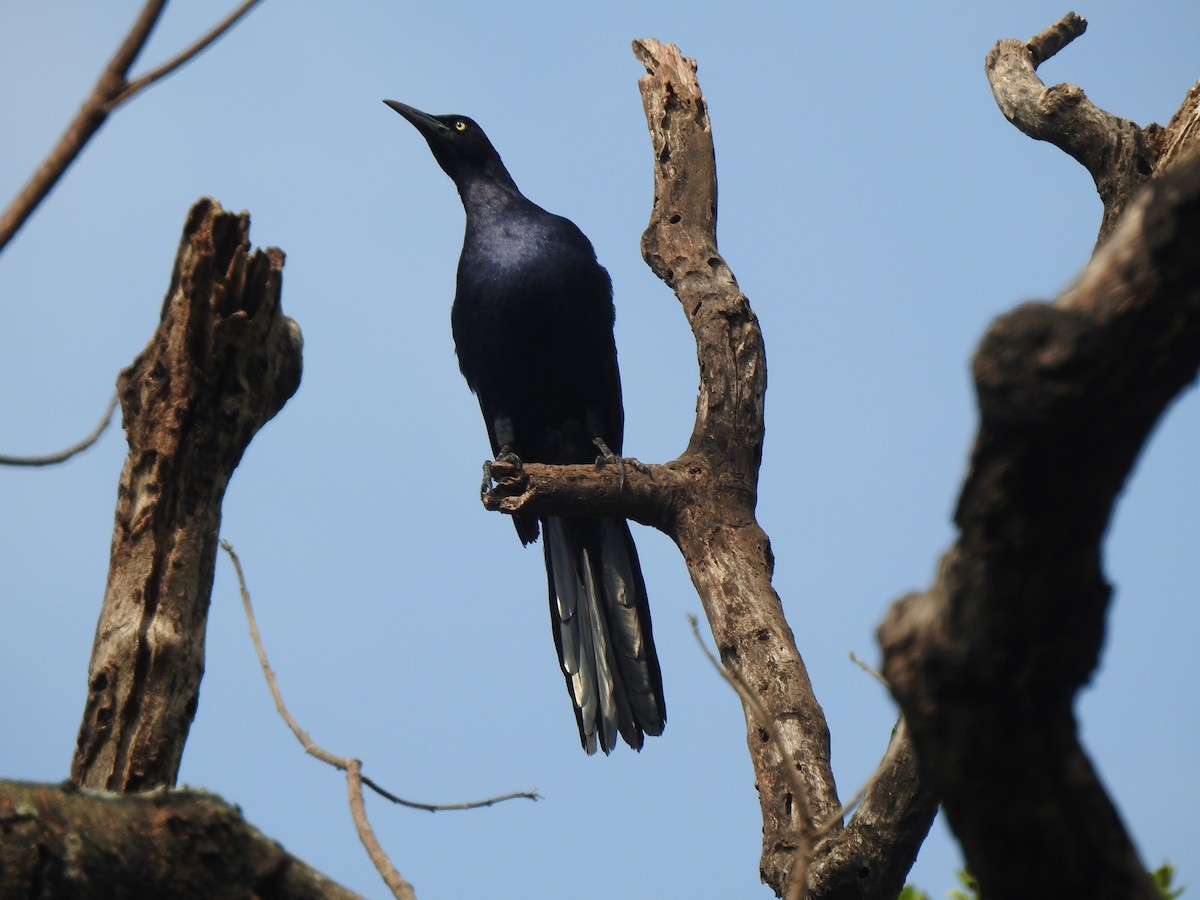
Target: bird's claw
(505, 458)
(607, 457)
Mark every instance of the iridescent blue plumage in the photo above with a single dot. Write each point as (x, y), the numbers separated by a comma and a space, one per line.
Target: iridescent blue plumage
(533, 327)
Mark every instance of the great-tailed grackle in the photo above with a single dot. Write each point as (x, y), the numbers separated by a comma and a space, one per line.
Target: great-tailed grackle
(533, 326)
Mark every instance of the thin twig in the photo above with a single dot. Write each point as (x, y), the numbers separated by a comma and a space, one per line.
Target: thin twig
(85, 124)
(442, 807)
(63, 455)
(796, 889)
(183, 57)
(352, 767)
(866, 667)
(400, 888)
(832, 822)
(310, 746)
(111, 89)
(810, 832)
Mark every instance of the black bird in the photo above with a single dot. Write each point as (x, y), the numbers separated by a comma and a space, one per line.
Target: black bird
(533, 326)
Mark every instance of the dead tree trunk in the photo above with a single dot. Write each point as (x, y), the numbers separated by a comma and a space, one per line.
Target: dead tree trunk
(223, 361)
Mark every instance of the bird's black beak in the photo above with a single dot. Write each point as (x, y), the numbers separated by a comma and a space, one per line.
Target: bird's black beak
(423, 122)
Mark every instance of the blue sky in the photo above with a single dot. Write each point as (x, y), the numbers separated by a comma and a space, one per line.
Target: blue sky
(875, 207)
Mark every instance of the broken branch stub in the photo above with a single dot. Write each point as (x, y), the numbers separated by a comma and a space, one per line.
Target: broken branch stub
(221, 364)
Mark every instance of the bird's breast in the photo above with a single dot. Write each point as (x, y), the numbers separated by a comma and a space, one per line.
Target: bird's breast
(511, 246)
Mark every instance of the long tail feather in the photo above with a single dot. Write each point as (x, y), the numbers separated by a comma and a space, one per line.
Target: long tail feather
(602, 630)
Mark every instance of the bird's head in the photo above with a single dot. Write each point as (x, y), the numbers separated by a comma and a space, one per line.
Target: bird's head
(458, 143)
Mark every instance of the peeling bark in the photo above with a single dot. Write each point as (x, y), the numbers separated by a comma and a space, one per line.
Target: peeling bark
(223, 361)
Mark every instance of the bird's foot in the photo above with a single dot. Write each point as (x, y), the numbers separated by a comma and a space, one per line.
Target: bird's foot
(607, 457)
(506, 460)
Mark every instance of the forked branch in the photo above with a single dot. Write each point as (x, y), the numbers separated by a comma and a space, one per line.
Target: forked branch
(112, 89)
(1120, 155)
(355, 780)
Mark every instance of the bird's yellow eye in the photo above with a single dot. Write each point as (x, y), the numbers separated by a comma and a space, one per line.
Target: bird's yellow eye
(460, 126)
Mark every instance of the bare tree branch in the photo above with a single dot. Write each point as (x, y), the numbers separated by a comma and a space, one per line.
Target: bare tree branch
(314, 749)
(182, 58)
(451, 807)
(110, 91)
(391, 876)
(1049, 42)
(652, 494)
(727, 553)
(396, 883)
(1119, 154)
(987, 663)
(51, 459)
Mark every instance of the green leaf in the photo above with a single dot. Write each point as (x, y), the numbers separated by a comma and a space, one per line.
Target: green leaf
(970, 887)
(1163, 877)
